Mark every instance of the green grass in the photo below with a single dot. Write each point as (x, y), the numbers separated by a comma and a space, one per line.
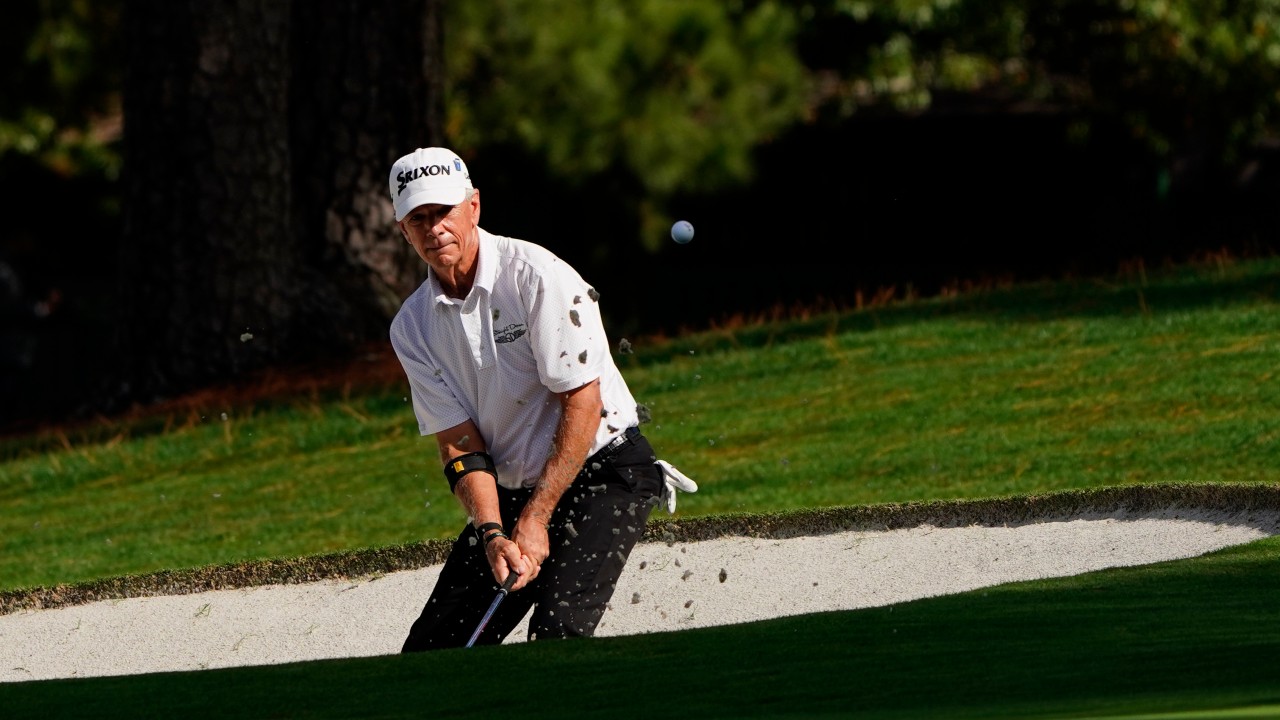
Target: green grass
(1025, 390)
(1166, 379)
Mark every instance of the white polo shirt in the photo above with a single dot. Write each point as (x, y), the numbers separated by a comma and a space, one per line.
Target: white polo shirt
(530, 328)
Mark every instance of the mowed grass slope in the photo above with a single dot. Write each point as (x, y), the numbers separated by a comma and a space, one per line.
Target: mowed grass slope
(1147, 379)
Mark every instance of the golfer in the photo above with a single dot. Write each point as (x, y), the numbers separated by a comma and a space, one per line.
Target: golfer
(510, 370)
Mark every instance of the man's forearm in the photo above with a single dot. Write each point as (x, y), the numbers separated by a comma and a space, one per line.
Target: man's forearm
(478, 495)
(579, 420)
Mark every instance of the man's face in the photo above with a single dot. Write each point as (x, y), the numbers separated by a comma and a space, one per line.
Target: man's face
(444, 236)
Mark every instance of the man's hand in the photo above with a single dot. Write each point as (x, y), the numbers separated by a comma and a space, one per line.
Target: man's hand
(672, 480)
(531, 536)
(505, 554)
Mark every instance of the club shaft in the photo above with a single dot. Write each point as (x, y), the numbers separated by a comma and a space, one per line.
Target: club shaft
(502, 593)
(485, 620)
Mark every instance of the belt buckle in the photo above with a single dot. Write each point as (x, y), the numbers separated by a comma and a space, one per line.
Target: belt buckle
(617, 443)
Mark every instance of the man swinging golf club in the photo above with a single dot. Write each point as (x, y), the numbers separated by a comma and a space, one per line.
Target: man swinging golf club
(510, 369)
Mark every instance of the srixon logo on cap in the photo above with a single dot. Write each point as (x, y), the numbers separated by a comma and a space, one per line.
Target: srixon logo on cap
(404, 177)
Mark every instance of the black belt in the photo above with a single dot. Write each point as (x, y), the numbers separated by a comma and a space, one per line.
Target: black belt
(616, 445)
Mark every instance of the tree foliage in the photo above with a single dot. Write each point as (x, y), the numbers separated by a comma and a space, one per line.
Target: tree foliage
(680, 93)
(1181, 76)
(61, 104)
(677, 93)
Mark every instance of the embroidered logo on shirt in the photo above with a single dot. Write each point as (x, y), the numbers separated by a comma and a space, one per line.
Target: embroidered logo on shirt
(509, 333)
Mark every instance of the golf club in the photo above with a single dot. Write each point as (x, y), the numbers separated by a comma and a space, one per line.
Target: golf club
(502, 593)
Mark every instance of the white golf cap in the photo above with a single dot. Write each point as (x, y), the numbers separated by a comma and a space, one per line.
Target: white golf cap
(428, 176)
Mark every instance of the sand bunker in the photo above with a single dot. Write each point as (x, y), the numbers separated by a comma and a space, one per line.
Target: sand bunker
(666, 586)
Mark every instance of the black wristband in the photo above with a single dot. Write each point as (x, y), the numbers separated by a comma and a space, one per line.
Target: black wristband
(490, 537)
(482, 529)
(456, 468)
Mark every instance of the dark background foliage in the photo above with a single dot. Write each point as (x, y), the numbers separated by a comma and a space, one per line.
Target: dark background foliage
(829, 154)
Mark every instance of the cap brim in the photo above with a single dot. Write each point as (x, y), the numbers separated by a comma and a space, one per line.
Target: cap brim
(434, 196)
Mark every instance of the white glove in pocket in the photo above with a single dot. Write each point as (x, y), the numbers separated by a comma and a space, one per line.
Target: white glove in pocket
(673, 480)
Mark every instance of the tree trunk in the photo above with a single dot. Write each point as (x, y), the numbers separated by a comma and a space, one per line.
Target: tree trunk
(258, 134)
(369, 97)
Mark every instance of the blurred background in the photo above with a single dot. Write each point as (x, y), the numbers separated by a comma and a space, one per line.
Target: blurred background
(196, 191)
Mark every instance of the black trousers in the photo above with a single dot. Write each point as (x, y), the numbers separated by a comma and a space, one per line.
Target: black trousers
(593, 529)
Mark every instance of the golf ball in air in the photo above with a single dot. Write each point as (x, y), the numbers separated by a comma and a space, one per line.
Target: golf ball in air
(682, 232)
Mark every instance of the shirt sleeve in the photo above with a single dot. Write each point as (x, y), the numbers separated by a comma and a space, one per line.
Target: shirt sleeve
(565, 328)
(434, 404)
